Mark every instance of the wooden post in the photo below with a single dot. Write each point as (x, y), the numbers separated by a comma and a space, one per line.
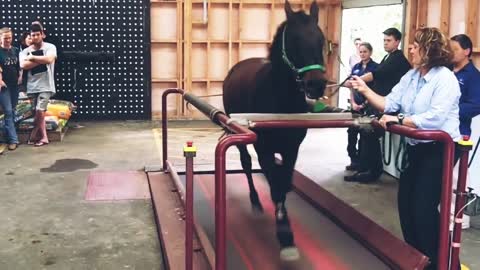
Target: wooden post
(411, 22)
(240, 25)
(187, 45)
(472, 20)
(179, 40)
(422, 13)
(209, 38)
(445, 16)
(230, 29)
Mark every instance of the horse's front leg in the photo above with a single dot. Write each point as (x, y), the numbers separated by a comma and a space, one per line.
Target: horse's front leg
(279, 180)
(289, 251)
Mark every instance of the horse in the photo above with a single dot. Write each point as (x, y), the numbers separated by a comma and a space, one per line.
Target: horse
(280, 83)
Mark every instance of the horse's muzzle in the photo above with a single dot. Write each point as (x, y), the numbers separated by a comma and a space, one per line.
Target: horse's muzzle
(313, 89)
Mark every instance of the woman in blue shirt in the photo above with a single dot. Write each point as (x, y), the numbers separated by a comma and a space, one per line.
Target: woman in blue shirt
(366, 65)
(357, 102)
(425, 98)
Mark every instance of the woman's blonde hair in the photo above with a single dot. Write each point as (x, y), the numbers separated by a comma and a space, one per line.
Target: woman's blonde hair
(434, 47)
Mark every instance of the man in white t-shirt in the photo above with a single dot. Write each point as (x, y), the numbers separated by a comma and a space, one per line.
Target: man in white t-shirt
(39, 60)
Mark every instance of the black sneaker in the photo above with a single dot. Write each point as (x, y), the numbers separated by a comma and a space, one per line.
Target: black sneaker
(353, 167)
(366, 177)
(350, 178)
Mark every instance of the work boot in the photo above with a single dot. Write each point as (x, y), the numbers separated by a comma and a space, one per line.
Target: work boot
(3, 147)
(12, 146)
(354, 166)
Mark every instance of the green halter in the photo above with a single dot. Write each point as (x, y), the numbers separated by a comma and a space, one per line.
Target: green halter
(298, 71)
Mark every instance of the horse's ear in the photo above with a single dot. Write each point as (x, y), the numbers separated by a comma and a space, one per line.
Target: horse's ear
(288, 9)
(314, 10)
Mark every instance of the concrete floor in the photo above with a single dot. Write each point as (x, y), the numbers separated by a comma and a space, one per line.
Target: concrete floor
(47, 224)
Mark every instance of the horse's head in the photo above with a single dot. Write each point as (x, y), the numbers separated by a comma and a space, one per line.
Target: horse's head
(302, 50)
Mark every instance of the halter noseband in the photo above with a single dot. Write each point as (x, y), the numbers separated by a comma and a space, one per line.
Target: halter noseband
(298, 71)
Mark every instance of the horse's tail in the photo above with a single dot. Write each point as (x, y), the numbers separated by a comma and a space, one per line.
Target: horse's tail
(225, 133)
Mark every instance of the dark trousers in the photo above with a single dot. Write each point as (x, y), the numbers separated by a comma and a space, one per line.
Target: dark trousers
(352, 150)
(418, 198)
(371, 154)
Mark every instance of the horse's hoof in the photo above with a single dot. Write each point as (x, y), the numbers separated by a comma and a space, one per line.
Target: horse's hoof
(289, 254)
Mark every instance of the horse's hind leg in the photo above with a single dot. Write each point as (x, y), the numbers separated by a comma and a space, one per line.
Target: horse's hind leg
(246, 161)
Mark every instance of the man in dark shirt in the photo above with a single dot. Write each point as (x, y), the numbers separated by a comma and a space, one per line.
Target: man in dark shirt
(9, 72)
(388, 73)
(469, 79)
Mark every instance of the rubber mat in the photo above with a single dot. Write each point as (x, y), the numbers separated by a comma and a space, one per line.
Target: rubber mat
(251, 237)
(113, 186)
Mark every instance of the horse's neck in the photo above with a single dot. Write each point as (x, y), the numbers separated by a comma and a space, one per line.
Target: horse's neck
(289, 98)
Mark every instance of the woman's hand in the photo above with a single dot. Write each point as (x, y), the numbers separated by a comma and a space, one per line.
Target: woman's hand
(348, 84)
(386, 119)
(359, 84)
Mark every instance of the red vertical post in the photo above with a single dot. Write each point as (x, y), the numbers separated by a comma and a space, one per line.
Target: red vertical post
(164, 124)
(243, 137)
(460, 200)
(445, 204)
(189, 151)
(220, 205)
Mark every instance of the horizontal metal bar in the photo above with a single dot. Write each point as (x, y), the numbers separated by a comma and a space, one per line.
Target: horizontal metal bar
(290, 116)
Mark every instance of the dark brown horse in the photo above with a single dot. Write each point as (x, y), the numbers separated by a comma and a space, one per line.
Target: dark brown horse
(279, 84)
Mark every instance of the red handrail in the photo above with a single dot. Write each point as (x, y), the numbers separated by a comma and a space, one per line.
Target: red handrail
(242, 135)
(446, 195)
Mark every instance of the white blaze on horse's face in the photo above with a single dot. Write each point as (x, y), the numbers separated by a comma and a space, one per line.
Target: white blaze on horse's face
(304, 43)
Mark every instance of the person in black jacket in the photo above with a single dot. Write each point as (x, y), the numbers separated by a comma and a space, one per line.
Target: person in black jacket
(388, 73)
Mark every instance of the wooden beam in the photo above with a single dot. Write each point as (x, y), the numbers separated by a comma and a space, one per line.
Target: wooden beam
(187, 47)
(230, 31)
(445, 16)
(411, 25)
(472, 20)
(422, 13)
(180, 71)
(333, 30)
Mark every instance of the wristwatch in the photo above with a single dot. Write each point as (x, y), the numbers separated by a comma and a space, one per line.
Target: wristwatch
(400, 117)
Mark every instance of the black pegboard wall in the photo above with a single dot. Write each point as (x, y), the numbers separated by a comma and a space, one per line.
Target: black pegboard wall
(86, 32)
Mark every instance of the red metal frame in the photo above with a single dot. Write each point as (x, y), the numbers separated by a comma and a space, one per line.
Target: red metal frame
(189, 212)
(242, 135)
(460, 200)
(446, 196)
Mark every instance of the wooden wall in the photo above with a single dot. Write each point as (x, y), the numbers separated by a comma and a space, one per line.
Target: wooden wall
(451, 16)
(195, 52)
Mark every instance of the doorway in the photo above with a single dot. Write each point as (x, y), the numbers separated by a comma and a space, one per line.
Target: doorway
(366, 23)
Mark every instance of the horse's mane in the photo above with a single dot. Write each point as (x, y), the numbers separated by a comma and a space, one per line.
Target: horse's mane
(276, 47)
(275, 52)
